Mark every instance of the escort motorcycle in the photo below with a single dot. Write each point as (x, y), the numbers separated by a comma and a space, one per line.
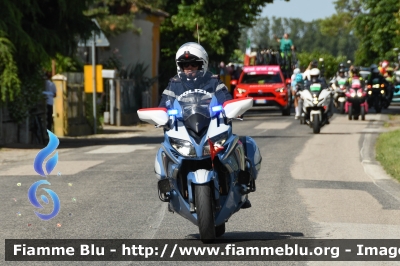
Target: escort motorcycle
(315, 106)
(204, 171)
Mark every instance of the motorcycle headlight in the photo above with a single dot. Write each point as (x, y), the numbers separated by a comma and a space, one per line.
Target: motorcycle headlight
(369, 92)
(353, 94)
(185, 148)
(218, 140)
(382, 91)
(359, 94)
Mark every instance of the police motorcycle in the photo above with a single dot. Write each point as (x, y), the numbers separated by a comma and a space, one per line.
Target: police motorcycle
(205, 172)
(316, 101)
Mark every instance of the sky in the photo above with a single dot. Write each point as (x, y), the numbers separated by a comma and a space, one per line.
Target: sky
(306, 10)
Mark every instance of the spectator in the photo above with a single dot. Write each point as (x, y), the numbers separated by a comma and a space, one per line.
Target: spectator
(222, 69)
(51, 93)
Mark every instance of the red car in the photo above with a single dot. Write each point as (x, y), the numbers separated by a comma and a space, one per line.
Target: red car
(266, 85)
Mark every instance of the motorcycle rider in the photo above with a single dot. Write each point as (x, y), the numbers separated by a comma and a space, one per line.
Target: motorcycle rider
(316, 78)
(376, 74)
(341, 77)
(355, 74)
(192, 64)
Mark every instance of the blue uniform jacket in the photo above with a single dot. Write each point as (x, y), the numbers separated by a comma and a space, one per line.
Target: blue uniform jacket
(210, 83)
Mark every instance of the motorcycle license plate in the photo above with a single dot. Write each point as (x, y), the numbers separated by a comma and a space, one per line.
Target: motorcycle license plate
(376, 86)
(341, 99)
(261, 101)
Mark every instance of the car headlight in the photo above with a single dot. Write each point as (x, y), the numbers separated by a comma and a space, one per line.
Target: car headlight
(280, 90)
(218, 140)
(185, 148)
(240, 91)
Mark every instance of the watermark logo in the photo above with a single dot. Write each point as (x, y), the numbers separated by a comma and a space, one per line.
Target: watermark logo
(41, 156)
(32, 197)
(38, 166)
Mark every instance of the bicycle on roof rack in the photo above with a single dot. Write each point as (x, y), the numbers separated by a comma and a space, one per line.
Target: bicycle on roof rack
(289, 62)
(268, 56)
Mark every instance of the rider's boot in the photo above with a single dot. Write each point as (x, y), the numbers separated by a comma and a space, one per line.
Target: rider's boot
(246, 204)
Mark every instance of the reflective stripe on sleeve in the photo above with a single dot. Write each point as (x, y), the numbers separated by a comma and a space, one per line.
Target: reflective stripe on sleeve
(169, 93)
(220, 86)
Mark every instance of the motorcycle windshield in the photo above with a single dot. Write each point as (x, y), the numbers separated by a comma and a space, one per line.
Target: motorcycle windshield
(194, 96)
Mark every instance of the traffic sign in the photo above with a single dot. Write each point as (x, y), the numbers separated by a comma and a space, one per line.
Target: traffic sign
(100, 39)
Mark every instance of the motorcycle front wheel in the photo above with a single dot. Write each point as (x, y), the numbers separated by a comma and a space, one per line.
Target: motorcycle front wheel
(378, 105)
(362, 113)
(205, 212)
(350, 112)
(341, 107)
(316, 126)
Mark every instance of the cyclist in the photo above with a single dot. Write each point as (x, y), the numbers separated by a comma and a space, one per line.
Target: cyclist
(297, 85)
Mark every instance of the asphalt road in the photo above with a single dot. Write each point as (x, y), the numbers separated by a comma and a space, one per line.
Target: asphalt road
(310, 186)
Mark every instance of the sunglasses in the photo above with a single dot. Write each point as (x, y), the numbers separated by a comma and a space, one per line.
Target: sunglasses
(193, 64)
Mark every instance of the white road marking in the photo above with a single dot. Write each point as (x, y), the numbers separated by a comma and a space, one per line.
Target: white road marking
(64, 167)
(120, 149)
(273, 125)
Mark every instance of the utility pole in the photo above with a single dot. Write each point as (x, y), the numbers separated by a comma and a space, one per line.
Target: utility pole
(94, 83)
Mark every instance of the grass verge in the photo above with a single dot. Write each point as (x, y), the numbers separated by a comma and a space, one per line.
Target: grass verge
(388, 152)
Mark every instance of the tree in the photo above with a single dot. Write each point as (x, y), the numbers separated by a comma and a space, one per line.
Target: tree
(8, 70)
(33, 32)
(377, 30)
(260, 33)
(220, 24)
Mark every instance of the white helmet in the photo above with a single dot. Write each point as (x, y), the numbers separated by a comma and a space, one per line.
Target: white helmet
(314, 72)
(296, 71)
(192, 52)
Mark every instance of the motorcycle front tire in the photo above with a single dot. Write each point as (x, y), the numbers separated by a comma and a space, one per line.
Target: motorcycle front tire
(350, 112)
(316, 126)
(341, 107)
(362, 113)
(205, 212)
